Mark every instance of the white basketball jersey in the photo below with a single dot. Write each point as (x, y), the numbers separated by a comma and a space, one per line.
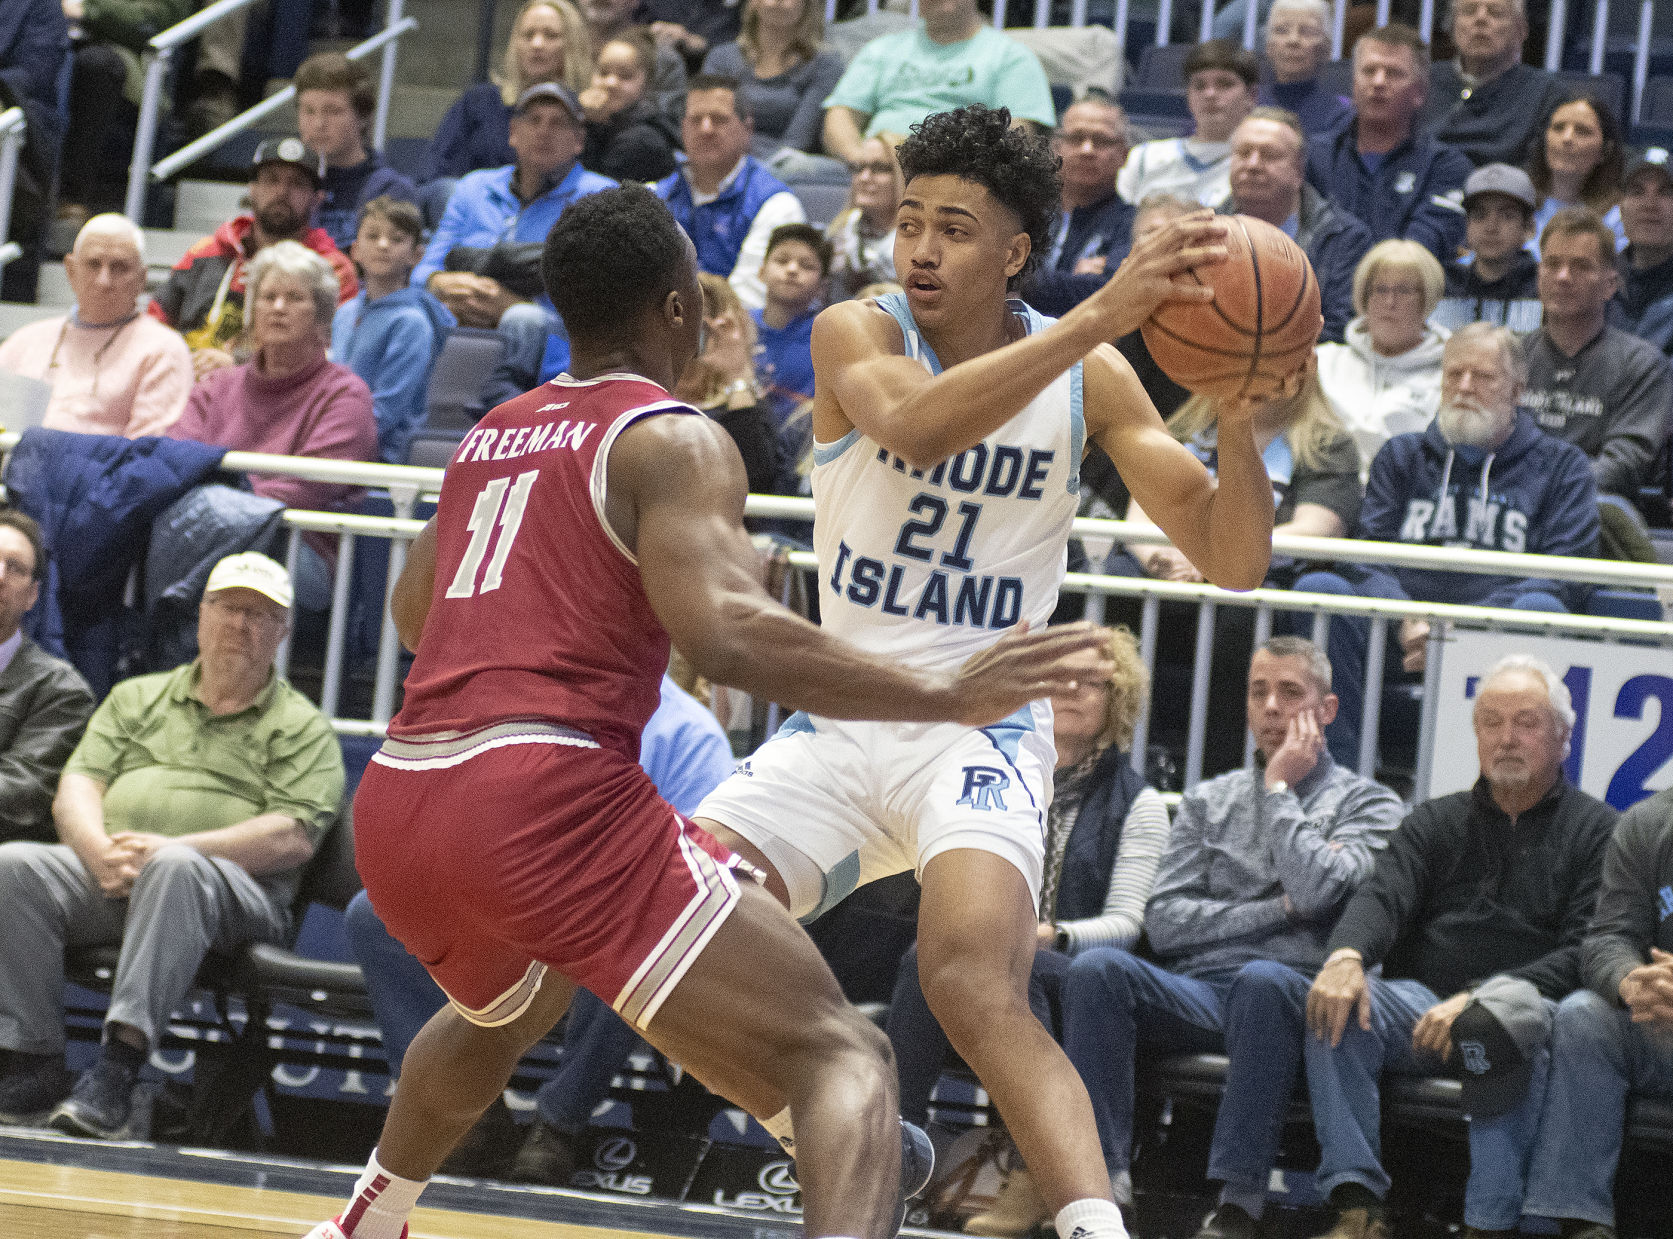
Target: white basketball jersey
(934, 565)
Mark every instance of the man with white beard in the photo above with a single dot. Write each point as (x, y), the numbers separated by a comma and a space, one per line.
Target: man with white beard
(1483, 475)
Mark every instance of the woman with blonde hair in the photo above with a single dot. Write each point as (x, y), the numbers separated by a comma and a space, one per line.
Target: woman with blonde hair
(784, 76)
(721, 381)
(1106, 831)
(549, 43)
(862, 235)
(1385, 378)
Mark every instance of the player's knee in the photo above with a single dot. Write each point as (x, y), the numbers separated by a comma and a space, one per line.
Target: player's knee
(847, 1036)
(965, 998)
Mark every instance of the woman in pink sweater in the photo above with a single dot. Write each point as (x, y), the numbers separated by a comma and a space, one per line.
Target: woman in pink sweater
(288, 399)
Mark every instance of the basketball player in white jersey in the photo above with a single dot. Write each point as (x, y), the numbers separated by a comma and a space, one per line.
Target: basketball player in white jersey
(949, 425)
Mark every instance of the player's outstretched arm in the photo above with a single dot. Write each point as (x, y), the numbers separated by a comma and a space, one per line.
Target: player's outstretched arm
(924, 419)
(676, 495)
(1223, 526)
(409, 605)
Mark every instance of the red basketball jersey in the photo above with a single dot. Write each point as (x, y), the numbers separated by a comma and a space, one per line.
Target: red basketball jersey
(538, 611)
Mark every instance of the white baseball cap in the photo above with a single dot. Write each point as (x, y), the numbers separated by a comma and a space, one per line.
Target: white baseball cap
(251, 570)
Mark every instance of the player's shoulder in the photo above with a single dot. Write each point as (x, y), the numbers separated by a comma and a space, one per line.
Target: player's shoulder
(857, 326)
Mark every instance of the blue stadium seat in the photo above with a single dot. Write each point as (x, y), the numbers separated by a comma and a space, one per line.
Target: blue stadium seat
(467, 358)
(1162, 68)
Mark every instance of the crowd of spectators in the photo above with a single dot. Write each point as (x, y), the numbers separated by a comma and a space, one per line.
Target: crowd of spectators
(1496, 270)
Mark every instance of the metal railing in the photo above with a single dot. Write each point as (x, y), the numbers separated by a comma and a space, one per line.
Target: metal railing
(406, 484)
(12, 132)
(1250, 29)
(158, 57)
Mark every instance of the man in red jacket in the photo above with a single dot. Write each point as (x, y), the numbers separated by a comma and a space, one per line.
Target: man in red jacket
(204, 296)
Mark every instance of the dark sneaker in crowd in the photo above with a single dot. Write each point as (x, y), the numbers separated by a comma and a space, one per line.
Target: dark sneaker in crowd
(101, 1103)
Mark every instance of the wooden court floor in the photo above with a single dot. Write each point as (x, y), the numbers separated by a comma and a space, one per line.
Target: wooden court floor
(44, 1201)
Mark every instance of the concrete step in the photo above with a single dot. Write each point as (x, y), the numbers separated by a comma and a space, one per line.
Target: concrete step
(200, 207)
(15, 314)
(166, 246)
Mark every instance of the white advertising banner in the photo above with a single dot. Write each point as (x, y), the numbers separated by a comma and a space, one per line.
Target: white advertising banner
(1623, 705)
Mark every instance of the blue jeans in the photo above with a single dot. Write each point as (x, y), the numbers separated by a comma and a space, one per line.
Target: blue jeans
(1343, 1082)
(596, 1040)
(1598, 1056)
(1350, 636)
(1114, 1002)
(921, 1048)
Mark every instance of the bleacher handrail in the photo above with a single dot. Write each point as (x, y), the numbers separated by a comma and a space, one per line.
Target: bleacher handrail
(159, 52)
(13, 127)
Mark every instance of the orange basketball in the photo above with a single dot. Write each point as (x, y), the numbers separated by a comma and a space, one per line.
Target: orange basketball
(1259, 329)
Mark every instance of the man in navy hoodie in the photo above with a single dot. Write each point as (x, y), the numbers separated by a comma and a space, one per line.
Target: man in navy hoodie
(1399, 182)
(1483, 476)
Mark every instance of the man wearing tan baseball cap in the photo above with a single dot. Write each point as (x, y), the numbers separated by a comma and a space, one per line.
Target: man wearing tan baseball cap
(184, 816)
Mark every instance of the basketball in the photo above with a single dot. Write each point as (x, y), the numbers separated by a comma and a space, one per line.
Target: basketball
(1259, 329)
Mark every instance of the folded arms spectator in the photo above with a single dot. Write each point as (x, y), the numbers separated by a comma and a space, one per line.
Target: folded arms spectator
(185, 816)
(112, 369)
(1486, 103)
(951, 58)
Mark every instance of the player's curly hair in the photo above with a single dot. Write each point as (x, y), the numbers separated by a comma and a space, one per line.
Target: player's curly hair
(1016, 167)
(609, 256)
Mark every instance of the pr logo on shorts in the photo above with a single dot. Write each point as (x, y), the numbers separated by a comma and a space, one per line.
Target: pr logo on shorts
(982, 787)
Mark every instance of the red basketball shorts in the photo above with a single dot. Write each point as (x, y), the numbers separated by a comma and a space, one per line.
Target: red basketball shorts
(499, 853)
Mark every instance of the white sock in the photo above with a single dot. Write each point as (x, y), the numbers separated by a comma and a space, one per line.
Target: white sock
(779, 1128)
(380, 1204)
(1091, 1218)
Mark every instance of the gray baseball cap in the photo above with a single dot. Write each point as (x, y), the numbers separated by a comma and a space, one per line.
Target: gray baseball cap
(1501, 178)
(1496, 1037)
(558, 93)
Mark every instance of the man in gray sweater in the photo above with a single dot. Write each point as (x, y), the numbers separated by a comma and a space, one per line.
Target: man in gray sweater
(1258, 866)
(1616, 1035)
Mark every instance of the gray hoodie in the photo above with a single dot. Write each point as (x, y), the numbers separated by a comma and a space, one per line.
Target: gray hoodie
(1378, 397)
(1238, 851)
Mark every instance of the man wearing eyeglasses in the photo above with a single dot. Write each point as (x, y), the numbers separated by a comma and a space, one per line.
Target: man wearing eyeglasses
(1095, 229)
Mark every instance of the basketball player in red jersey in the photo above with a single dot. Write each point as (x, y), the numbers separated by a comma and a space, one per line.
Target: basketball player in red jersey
(505, 831)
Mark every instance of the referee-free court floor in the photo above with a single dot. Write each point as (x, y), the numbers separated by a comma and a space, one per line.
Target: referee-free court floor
(54, 1187)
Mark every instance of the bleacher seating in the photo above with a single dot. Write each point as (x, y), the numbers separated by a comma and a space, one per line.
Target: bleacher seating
(467, 358)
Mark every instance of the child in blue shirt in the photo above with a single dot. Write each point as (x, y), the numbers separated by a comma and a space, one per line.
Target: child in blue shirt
(797, 263)
(391, 333)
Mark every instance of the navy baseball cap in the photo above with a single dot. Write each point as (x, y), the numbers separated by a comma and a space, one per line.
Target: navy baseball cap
(556, 92)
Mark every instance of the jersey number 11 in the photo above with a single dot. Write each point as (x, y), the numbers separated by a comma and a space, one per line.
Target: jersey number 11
(491, 505)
